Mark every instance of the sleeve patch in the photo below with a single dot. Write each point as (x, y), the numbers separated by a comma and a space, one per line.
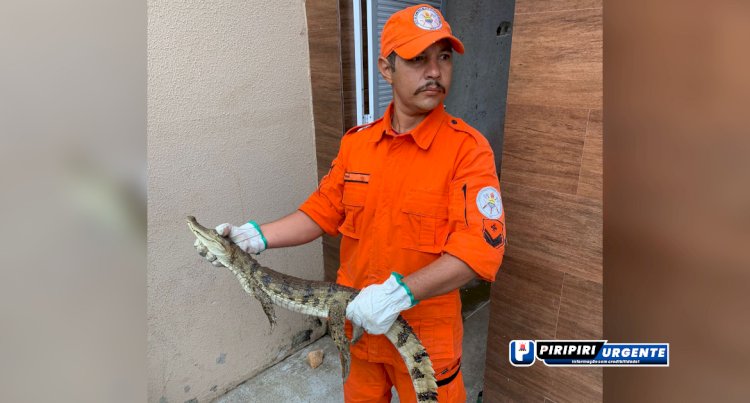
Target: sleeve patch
(493, 232)
(489, 202)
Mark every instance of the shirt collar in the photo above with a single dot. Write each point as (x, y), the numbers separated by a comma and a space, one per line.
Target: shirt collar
(423, 134)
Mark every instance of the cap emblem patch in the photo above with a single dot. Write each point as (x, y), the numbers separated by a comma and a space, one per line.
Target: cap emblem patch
(427, 18)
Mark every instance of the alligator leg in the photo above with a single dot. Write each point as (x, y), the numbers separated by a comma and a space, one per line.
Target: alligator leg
(267, 304)
(336, 320)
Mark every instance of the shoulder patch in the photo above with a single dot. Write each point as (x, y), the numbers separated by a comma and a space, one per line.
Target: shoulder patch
(489, 202)
(356, 129)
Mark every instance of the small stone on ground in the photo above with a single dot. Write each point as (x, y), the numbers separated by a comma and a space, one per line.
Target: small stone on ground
(315, 358)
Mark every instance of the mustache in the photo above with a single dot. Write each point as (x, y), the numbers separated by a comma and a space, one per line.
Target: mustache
(432, 84)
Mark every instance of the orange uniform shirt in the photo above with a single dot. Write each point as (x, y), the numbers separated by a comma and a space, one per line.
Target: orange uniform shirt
(400, 201)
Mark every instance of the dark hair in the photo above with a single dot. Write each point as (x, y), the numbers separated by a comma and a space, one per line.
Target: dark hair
(392, 60)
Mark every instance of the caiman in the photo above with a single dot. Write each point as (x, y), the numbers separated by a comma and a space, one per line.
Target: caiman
(317, 298)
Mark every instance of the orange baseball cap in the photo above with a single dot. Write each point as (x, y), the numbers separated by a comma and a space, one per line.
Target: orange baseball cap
(410, 31)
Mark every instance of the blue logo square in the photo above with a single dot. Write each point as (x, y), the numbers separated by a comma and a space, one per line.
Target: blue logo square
(522, 353)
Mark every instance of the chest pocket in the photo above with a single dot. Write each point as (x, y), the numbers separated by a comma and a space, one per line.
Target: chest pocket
(423, 221)
(354, 205)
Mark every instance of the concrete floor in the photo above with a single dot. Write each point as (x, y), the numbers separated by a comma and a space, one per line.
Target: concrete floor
(293, 381)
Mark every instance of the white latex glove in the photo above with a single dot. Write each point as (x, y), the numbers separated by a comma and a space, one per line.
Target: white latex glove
(248, 236)
(376, 307)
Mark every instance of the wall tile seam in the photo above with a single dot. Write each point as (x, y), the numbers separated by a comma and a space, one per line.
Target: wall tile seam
(583, 149)
(560, 267)
(560, 298)
(556, 192)
(559, 304)
(568, 273)
(559, 11)
(555, 106)
(583, 130)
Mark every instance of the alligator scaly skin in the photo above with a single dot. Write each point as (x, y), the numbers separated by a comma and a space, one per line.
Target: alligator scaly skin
(317, 298)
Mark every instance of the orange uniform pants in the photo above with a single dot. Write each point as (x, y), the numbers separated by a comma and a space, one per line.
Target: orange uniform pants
(371, 382)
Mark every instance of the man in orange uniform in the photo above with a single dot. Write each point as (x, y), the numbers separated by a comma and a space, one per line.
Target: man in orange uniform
(415, 196)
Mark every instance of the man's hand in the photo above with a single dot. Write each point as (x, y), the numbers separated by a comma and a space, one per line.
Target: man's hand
(376, 307)
(248, 237)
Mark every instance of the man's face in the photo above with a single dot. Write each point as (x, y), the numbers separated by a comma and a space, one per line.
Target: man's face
(422, 83)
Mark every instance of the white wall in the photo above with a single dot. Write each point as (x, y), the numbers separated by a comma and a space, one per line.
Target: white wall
(230, 137)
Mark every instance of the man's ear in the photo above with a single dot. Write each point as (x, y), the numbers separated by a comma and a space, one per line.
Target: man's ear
(385, 69)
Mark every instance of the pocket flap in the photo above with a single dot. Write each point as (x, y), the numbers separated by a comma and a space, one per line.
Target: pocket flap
(427, 204)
